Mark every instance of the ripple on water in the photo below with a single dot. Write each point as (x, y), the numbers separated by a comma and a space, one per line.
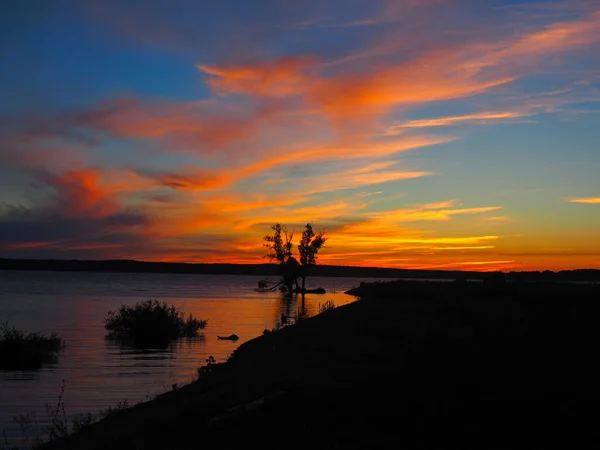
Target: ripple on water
(99, 373)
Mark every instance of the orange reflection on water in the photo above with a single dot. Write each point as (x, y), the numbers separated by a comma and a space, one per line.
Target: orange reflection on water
(99, 373)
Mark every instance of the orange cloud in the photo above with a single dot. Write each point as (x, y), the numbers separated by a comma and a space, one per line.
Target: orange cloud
(484, 117)
(232, 203)
(381, 230)
(199, 179)
(299, 215)
(91, 192)
(80, 191)
(448, 72)
(191, 126)
(429, 78)
(473, 247)
(424, 81)
(481, 263)
(419, 214)
(381, 233)
(193, 179)
(392, 247)
(587, 200)
(348, 180)
(277, 78)
(445, 240)
(358, 150)
(483, 266)
(438, 205)
(554, 38)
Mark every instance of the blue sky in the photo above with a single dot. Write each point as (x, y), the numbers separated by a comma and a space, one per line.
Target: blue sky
(419, 134)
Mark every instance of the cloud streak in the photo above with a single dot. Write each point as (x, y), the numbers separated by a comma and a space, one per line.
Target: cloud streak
(586, 200)
(478, 118)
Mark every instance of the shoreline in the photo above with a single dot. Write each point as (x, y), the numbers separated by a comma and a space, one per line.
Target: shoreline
(424, 365)
(319, 270)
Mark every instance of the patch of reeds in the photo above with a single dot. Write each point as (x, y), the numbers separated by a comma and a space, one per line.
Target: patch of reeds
(115, 409)
(21, 350)
(301, 314)
(327, 306)
(151, 323)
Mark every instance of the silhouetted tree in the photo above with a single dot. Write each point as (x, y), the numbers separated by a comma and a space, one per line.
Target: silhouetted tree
(309, 246)
(280, 250)
(290, 274)
(280, 244)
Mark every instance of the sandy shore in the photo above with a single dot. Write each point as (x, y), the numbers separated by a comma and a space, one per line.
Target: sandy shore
(411, 365)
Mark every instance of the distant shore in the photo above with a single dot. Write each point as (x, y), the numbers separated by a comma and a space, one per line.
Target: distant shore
(583, 275)
(416, 365)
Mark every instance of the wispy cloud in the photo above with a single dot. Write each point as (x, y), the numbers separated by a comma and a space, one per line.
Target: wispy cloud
(479, 118)
(471, 247)
(277, 78)
(587, 200)
(354, 23)
(435, 213)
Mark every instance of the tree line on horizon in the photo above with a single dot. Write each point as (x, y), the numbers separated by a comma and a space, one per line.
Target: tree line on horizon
(133, 266)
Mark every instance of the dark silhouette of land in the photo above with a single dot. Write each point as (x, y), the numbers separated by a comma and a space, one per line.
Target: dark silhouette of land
(416, 365)
(273, 270)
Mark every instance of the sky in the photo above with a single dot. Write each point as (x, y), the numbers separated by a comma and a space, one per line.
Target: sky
(421, 134)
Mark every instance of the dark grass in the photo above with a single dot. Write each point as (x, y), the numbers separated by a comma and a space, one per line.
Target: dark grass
(327, 306)
(417, 366)
(21, 350)
(151, 324)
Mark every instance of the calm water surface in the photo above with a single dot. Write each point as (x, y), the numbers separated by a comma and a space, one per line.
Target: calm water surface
(99, 373)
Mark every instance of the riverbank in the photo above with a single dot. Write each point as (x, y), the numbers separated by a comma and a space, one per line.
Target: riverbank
(412, 365)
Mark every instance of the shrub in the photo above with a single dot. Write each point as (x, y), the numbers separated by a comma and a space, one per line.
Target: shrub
(20, 350)
(82, 421)
(210, 365)
(114, 409)
(327, 306)
(151, 323)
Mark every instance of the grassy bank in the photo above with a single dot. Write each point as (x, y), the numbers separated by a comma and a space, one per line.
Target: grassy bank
(420, 365)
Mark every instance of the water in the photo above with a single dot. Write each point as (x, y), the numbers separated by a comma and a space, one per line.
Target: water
(99, 373)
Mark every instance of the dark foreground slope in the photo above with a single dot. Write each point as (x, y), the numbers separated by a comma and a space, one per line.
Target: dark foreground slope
(420, 366)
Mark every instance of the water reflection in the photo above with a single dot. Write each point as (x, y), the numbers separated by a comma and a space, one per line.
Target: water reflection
(130, 347)
(100, 372)
(289, 307)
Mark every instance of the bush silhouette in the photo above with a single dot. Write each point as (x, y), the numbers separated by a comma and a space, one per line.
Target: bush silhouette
(20, 350)
(151, 323)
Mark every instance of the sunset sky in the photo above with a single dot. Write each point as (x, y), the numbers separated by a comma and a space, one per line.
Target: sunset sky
(440, 134)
